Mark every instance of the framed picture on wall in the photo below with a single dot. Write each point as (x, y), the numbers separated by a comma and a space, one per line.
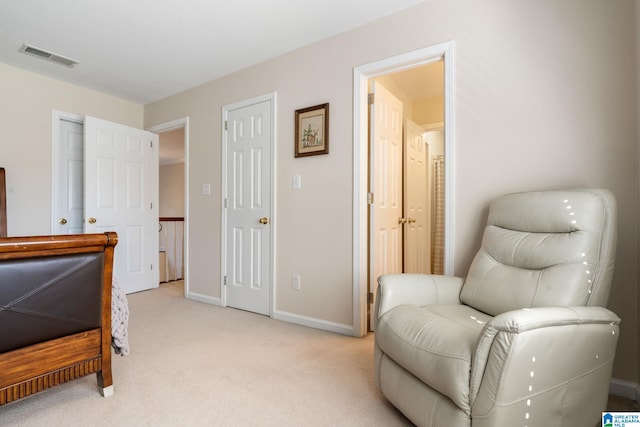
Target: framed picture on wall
(312, 131)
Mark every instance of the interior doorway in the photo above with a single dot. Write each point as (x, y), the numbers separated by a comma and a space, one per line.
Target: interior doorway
(363, 198)
(403, 163)
(173, 224)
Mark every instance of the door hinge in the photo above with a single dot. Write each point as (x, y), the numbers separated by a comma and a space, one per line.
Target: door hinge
(226, 203)
(371, 97)
(370, 298)
(226, 125)
(151, 144)
(369, 198)
(225, 280)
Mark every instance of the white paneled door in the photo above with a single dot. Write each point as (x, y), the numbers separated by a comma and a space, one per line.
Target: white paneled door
(68, 176)
(386, 185)
(417, 229)
(119, 168)
(247, 200)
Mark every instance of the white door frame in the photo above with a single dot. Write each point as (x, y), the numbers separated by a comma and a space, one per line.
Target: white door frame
(361, 76)
(165, 127)
(271, 97)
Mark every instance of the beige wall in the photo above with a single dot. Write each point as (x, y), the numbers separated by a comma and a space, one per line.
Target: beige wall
(544, 98)
(171, 190)
(26, 104)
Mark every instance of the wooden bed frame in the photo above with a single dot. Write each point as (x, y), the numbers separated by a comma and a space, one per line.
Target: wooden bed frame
(55, 310)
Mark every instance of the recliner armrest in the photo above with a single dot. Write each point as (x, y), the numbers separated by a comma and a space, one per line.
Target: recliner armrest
(556, 344)
(417, 289)
(541, 317)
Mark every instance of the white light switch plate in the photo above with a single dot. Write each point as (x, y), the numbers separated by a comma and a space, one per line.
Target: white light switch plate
(296, 182)
(206, 189)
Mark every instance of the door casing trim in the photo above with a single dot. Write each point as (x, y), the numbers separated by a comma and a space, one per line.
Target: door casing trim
(361, 76)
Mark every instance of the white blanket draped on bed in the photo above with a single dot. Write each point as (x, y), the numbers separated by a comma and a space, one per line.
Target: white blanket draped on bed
(119, 320)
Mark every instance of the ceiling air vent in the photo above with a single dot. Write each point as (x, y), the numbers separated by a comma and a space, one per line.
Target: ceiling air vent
(48, 56)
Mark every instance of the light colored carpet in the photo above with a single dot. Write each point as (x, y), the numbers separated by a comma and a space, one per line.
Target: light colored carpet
(193, 364)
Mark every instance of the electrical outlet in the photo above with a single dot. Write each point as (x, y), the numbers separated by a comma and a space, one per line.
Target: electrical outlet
(295, 282)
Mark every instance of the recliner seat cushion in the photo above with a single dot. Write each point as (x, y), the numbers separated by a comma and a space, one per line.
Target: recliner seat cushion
(435, 343)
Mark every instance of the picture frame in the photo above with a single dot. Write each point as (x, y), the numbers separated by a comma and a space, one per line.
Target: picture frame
(312, 131)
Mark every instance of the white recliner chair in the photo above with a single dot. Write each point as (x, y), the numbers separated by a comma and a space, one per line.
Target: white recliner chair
(525, 339)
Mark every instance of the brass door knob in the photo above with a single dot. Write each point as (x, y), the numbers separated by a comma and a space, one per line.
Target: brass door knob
(62, 221)
(92, 220)
(411, 220)
(264, 220)
(402, 220)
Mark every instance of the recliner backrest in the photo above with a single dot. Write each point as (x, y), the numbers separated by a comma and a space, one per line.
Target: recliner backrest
(544, 248)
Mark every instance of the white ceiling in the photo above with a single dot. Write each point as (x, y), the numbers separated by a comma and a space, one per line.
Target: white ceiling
(145, 50)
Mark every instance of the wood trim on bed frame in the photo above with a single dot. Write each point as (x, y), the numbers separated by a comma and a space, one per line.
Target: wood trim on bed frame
(31, 369)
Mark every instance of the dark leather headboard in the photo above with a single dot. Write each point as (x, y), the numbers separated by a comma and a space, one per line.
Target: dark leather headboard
(44, 298)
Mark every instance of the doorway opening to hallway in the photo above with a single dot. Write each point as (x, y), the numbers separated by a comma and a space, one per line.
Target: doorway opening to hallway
(365, 176)
(173, 173)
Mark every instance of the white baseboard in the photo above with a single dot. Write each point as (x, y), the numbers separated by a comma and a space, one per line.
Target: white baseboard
(313, 322)
(204, 298)
(285, 316)
(626, 389)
